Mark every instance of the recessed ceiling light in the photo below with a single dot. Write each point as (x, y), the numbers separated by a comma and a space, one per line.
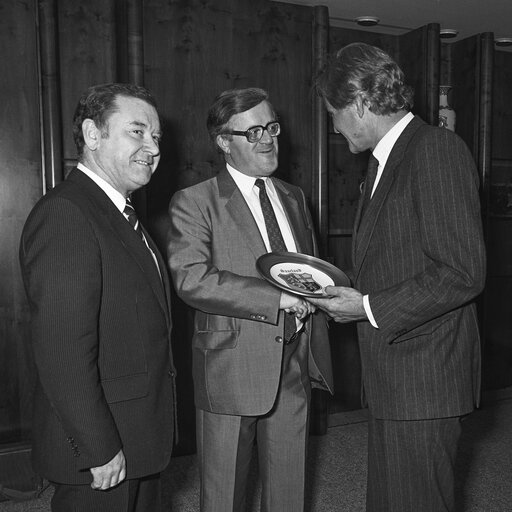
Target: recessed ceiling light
(448, 33)
(503, 41)
(367, 21)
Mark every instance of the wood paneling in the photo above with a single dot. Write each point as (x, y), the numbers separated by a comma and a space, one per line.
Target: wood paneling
(20, 187)
(502, 106)
(87, 56)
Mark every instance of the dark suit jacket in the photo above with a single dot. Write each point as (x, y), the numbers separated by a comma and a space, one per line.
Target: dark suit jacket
(100, 334)
(419, 253)
(214, 243)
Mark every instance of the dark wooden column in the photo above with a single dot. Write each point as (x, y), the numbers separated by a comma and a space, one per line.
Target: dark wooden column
(135, 42)
(51, 124)
(320, 194)
(485, 118)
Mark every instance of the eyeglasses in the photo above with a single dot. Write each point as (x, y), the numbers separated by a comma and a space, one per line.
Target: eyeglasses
(255, 133)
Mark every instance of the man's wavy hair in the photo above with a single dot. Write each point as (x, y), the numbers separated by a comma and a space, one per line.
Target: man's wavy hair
(99, 103)
(359, 69)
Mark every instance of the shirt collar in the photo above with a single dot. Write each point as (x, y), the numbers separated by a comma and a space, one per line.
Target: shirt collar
(115, 196)
(383, 149)
(244, 182)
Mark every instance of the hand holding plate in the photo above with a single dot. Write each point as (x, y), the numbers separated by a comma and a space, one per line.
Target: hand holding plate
(343, 305)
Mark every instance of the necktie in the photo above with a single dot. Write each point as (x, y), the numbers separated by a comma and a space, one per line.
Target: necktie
(277, 244)
(371, 175)
(129, 211)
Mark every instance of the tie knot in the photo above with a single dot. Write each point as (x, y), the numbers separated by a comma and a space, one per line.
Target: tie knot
(373, 163)
(260, 184)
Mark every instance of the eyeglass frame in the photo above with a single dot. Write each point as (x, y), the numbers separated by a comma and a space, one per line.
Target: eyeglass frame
(246, 132)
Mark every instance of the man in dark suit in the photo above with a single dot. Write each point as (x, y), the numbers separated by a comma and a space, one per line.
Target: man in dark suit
(418, 264)
(251, 373)
(99, 299)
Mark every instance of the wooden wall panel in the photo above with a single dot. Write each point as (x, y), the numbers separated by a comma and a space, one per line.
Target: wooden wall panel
(464, 65)
(87, 56)
(502, 111)
(20, 187)
(194, 50)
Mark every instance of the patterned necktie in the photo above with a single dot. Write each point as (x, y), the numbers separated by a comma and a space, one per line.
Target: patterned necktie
(371, 175)
(132, 217)
(277, 244)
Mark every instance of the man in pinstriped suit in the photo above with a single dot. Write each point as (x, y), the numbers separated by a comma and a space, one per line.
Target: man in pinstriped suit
(418, 264)
(100, 306)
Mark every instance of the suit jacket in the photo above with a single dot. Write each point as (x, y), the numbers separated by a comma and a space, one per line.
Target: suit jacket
(100, 335)
(419, 253)
(213, 246)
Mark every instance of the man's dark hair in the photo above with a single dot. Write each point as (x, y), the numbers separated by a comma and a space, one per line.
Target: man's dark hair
(99, 103)
(229, 103)
(359, 69)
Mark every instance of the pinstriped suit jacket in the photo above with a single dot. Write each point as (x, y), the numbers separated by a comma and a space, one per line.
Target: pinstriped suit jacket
(419, 253)
(213, 246)
(100, 334)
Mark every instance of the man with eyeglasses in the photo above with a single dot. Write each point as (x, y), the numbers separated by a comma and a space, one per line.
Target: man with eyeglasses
(251, 367)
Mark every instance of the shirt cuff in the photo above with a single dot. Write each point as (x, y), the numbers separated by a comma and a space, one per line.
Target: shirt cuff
(368, 310)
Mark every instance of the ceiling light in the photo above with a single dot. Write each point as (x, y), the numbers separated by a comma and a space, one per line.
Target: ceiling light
(503, 41)
(448, 33)
(367, 21)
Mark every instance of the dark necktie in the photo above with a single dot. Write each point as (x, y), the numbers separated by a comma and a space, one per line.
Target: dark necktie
(277, 244)
(371, 175)
(132, 217)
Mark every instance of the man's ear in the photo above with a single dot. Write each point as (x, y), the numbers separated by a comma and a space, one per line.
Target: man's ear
(91, 134)
(359, 104)
(223, 144)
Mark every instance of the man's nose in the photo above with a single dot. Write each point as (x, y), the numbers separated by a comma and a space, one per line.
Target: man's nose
(266, 138)
(151, 146)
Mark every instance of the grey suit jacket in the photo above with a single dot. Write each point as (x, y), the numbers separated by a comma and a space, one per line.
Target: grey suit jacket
(419, 253)
(213, 246)
(101, 337)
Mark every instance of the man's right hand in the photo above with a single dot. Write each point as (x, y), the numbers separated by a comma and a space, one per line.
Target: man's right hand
(111, 474)
(296, 305)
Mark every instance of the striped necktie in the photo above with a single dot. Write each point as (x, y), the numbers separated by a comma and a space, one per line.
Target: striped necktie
(129, 211)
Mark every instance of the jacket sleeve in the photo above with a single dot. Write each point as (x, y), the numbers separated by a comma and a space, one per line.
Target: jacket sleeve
(198, 280)
(61, 268)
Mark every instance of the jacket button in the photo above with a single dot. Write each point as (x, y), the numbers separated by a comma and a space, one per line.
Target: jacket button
(279, 339)
(171, 373)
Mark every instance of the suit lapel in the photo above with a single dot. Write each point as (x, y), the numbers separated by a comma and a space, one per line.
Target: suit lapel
(115, 221)
(242, 217)
(364, 227)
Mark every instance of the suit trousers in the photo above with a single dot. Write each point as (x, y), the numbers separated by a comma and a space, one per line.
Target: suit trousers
(411, 465)
(226, 442)
(135, 495)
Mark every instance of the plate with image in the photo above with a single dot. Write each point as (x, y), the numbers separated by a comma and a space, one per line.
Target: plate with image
(300, 274)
